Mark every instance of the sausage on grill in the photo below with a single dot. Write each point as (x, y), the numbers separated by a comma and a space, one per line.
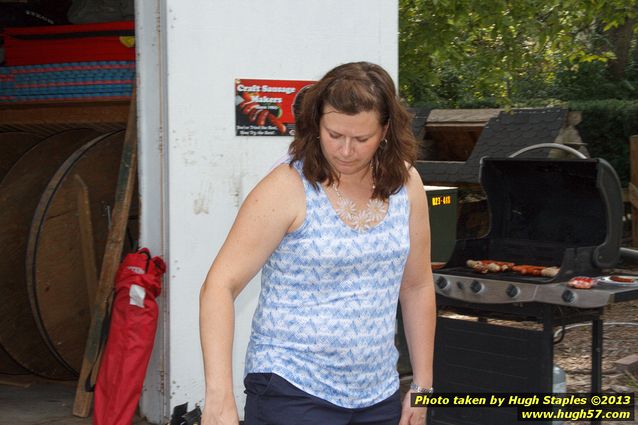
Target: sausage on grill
(489, 266)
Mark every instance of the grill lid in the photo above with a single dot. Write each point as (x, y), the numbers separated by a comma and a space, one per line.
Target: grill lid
(549, 212)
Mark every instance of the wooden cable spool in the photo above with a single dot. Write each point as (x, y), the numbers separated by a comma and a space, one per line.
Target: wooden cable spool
(67, 239)
(13, 144)
(20, 193)
(8, 366)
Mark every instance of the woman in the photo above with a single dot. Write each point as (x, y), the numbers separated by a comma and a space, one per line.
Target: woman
(341, 232)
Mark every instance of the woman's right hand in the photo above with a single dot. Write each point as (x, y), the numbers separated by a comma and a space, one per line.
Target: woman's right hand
(226, 415)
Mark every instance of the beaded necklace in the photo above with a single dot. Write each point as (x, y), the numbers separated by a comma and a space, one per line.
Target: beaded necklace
(360, 220)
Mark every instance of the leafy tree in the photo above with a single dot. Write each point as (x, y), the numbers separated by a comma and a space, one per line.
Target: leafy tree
(500, 52)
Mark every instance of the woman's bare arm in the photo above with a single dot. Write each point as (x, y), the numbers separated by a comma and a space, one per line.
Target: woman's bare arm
(275, 207)
(417, 297)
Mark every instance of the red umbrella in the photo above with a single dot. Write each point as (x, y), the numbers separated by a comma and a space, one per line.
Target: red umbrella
(130, 340)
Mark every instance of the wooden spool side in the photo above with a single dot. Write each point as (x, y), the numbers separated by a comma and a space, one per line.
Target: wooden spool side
(56, 279)
(20, 192)
(13, 145)
(8, 366)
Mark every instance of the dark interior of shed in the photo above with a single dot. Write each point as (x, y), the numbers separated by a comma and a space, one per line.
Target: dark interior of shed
(67, 70)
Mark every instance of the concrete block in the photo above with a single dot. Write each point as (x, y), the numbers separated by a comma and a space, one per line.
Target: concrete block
(628, 363)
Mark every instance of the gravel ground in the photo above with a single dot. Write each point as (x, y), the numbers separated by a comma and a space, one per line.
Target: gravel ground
(574, 355)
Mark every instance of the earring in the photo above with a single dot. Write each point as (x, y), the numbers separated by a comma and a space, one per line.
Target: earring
(383, 144)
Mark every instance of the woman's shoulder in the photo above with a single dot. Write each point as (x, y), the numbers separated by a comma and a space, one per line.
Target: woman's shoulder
(414, 178)
(288, 171)
(413, 173)
(414, 185)
(281, 186)
(279, 195)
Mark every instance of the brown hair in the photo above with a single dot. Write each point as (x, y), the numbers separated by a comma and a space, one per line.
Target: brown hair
(353, 88)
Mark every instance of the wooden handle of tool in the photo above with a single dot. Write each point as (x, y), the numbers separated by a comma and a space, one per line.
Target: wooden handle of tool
(110, 261)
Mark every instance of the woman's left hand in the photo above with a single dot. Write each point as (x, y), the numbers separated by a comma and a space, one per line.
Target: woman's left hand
(412, 415)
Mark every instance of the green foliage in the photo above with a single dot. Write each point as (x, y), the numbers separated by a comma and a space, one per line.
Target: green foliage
(506, 52)
(606, 128)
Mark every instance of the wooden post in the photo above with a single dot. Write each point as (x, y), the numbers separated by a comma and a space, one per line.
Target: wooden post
(633, 187)
(110, 261)
(86, 240)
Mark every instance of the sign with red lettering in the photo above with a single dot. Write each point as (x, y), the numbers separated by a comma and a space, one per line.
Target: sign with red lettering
(266, 107)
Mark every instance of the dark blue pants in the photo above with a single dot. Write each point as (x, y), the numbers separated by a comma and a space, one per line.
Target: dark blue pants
(271, 400)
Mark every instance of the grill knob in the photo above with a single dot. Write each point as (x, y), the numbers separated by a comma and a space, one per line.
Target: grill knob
(476, 286)
(460, 285)
(512, 291)
(568, 296)
(442, 283)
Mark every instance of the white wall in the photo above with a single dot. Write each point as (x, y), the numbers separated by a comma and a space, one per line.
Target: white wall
(207, 44)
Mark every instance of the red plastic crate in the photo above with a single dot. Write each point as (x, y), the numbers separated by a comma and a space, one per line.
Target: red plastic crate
(69, 43)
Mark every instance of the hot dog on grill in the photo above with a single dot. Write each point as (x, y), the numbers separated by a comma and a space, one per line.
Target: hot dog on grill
(622, 279)
(527, 269)
(550, 271)
(485, 266)
(492, 266)
(536, 270)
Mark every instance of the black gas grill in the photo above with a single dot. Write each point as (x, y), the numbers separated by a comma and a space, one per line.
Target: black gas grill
(545, 212)
(553, 213)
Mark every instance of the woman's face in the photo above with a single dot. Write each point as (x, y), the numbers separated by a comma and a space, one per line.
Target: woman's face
(348, 142)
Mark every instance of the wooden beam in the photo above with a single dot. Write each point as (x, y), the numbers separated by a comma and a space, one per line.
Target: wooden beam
(73, 112)
(110, 262)
(633, 195)
(477, 117)
(87, 241)
(46, 118)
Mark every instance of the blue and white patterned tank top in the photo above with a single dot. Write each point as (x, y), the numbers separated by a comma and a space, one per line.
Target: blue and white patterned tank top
(325, 321)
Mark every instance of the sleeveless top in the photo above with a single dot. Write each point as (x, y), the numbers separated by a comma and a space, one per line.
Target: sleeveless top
(325, 319)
